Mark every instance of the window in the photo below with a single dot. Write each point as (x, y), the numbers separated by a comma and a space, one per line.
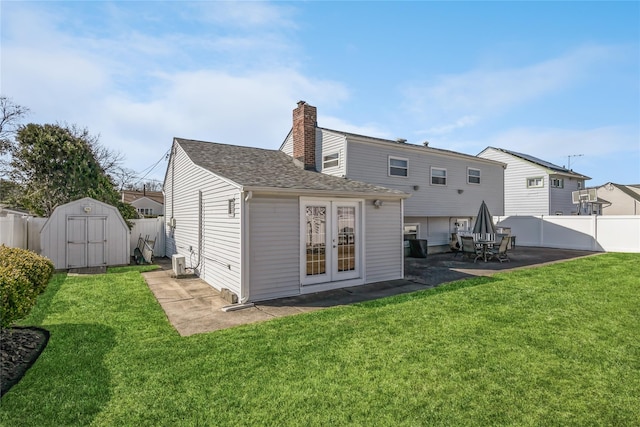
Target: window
(438, 176)
(331, 160)
(557, 182)
(411, 231)
(398, 166)
(231, 209)
(579, 185)
(145, 211)
(536, 182)
(473, 176)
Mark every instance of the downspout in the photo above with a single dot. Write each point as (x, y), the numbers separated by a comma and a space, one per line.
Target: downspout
(245, 280)
(402, 237)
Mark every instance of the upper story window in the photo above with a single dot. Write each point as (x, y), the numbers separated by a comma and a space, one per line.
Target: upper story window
(438, 176)
(579, 185)
(536, 182)
(557, 182)
(330, 160)
(398, 166)
(473, 176)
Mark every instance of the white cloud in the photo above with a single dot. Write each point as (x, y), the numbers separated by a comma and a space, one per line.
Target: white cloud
(459, 100)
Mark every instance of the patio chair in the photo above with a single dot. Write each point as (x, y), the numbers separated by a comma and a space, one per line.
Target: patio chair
(454, 245)
(470, 249)
(500, 253)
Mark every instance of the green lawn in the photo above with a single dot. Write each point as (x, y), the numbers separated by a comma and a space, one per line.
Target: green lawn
(557, 345)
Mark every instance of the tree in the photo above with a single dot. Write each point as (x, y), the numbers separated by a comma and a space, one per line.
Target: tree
(56, 164)
(10, 116)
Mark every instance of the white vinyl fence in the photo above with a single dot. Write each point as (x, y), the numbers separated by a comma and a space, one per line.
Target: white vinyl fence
(24, 232)
(153, 228)
(21, 232)
(601, 233)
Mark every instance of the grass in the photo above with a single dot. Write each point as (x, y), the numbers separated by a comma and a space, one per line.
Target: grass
(556, 345)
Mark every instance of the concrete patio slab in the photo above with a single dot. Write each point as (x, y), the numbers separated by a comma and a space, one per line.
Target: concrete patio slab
(193, 306)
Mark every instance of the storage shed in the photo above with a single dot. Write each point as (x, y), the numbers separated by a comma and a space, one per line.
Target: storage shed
(85, 233)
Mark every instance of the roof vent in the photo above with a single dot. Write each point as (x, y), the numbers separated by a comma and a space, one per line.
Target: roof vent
(426, 143)
(401, 140)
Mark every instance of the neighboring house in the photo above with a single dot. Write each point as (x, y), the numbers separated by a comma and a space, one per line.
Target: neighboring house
(620, 199)
(147, 203)
(446, 187)
(535, 187)
(256, 223)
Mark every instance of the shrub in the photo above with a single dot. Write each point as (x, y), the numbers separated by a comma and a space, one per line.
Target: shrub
(23, 276)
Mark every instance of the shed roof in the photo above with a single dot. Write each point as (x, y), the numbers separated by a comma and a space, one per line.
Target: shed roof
(270, 169)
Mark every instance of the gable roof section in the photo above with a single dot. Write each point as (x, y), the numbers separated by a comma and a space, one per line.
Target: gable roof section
(629, 190)
(262, 169)
(552, 168)
(129, 196)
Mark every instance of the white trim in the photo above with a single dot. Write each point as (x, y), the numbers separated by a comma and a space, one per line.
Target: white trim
(402, 159)
(431, 169)
(331, 276)
(469, 168)
(337, 160)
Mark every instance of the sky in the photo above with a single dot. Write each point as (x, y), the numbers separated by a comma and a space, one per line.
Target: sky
(555, 80)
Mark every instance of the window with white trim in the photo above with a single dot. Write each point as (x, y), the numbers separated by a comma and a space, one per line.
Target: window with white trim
(438, 176)
(536, 182)
(330, 160)
(579, 185)
(398, 166)
(557, 182)
(411, 231)
(231, 208)
(473, 176)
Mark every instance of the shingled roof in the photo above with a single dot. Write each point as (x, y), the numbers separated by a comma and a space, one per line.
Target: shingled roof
(543, 163)
(260, 168)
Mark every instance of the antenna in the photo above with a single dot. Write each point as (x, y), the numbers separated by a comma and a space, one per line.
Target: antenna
(569, 159)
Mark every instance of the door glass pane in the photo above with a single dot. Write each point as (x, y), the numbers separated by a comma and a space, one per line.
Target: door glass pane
(346, 238)
(316, 240)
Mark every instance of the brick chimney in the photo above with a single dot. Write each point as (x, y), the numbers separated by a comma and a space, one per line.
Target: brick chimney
(304, 134)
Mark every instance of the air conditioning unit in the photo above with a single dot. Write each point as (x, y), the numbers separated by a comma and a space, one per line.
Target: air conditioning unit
(178, 265)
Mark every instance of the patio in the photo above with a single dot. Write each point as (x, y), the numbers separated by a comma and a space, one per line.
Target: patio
(192, 306)
(440, 268)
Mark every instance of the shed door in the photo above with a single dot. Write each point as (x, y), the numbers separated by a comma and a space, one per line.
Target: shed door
(86, 241)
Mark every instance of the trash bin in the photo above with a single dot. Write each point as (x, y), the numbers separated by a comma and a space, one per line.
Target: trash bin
(418, 248)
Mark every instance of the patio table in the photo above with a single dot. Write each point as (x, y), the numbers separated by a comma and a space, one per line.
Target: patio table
(485, 247)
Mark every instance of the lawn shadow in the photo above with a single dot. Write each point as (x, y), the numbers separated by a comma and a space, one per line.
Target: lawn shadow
(454, 286)
(41, 308)
(72, 380)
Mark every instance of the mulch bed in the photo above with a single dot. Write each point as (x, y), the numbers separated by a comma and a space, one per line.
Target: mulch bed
(19, 349)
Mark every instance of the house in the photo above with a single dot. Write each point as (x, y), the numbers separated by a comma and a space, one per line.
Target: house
(446, 187)
(620, 199)
(147, 203)
(536, 187)
(258, 224)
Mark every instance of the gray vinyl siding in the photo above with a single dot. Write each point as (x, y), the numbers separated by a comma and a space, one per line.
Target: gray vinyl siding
(287, 145)
(383, 241)
(560, 198)
(274, 247)
(436, 230)
(518, 199)
(369, 162)
(220, 263)
(329, 143)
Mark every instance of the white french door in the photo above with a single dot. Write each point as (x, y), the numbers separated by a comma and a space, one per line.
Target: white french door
(331, 242)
